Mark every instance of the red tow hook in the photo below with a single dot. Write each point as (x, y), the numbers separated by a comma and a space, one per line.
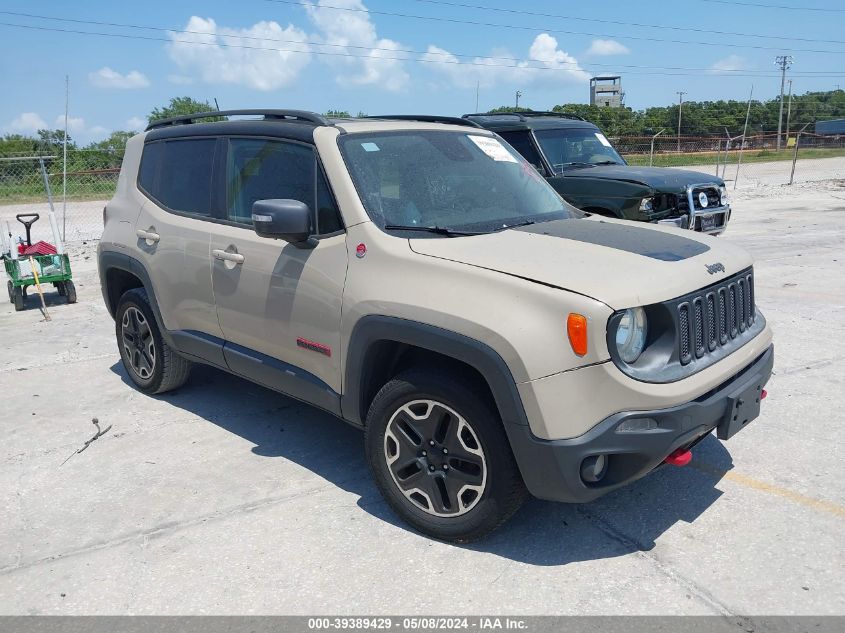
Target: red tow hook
(680, 457)
(763, 394)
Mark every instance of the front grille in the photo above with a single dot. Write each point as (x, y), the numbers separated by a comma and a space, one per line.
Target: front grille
(715, 316)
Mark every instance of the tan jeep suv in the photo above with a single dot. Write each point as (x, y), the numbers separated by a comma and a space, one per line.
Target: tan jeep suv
(416, 277)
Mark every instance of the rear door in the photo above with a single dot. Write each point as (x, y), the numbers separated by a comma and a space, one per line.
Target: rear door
(173, 232)
(279, 305)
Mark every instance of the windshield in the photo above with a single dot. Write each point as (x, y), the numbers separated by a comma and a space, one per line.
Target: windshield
(449, 180)
(576, 148)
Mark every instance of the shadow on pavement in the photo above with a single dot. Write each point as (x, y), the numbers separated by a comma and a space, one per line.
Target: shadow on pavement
(541, 533)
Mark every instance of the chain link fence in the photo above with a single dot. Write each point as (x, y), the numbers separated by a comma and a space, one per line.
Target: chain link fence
(79, 192)
(753, 161)
(90, 179)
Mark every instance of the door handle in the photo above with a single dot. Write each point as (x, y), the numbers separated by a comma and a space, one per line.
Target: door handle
(226, 256)
(148, 235)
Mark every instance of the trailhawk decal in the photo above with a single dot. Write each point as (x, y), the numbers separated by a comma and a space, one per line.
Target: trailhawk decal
(625, 237)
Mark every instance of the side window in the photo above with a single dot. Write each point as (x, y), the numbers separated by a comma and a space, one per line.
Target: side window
(150, 160)
(328, 217)
(259, 169)
(521, 142)
(184, 180)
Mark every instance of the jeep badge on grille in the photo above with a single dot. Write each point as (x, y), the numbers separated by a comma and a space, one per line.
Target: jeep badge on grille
(715, 268)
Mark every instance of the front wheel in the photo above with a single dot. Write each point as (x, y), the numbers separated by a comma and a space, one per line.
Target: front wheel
(440, 457)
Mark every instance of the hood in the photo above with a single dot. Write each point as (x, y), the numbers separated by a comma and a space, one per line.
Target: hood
(660, 178)
(621, 264)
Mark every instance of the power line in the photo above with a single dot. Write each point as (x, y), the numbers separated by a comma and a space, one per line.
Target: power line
(547, 30)
(463, 5)
(520, 64)
(775, 6)
(575, 64)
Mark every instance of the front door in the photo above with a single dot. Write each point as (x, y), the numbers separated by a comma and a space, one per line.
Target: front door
(279, 305)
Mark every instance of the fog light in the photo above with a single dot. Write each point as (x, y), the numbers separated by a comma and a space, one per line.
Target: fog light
(594, 468)
(636, 425)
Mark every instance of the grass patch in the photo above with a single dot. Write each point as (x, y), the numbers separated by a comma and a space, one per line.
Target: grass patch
(749, 156)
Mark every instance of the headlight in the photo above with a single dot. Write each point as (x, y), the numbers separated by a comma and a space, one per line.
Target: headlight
(631, 334)
(723, 195)
(647, 204)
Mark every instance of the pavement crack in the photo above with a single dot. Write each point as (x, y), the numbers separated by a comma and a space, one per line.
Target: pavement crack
(690, 585)
(146, 535)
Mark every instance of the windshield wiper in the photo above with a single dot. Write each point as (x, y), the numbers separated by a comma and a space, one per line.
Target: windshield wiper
(513, 226)
(607, 162)
(440, 230)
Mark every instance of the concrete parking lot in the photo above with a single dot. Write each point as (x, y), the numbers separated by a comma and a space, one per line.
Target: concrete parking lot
(227, 498)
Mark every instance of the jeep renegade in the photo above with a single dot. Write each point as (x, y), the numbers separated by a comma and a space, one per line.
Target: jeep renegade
(416, 277)
(584, 168)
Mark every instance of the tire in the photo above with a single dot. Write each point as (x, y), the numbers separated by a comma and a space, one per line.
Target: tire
(61, 288)
(11, 288)
(70, 291)
(151, 363)
(479, 485)
(18, 298)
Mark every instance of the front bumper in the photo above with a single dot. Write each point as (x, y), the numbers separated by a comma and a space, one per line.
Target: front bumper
(712, 221)
(551, 469)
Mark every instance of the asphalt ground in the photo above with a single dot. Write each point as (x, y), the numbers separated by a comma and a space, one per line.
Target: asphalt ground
(227, 498)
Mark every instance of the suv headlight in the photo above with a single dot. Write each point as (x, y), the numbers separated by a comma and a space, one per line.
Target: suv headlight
(723, 195)
(647, 204)
(631, 334)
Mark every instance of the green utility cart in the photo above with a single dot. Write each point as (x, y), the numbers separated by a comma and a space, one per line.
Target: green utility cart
(24, 270)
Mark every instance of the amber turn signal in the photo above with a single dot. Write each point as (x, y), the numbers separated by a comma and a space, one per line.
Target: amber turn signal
(576, 328)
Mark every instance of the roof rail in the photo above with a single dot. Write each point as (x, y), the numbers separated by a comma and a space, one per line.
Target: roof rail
(269, 115)
(522, 116)
(426, 118)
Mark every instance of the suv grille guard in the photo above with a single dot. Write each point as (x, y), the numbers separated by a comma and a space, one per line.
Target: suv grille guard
(696, 211)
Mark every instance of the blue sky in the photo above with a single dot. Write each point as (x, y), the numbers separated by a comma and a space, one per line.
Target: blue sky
(363, 59)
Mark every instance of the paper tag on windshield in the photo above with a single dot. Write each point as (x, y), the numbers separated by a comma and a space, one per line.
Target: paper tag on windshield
(493, 148)
(602, 139)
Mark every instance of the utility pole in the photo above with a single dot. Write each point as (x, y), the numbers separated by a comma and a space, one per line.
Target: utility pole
(681, 94)
(784, 62)
(788, 110)
(64, 161)
(518, 95)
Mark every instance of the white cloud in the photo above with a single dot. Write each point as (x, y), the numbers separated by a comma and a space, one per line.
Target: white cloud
(728, 64)
(78, 130)
(607, 47)
(108, 78)
(27, 122)
(352, 32)
(205, 53)
(136, 124)
(546, 62)
(75, 125)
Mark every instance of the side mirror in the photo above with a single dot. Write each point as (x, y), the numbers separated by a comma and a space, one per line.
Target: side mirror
(288, 220)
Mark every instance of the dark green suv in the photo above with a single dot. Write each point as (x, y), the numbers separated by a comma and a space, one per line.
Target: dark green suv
(582, 165)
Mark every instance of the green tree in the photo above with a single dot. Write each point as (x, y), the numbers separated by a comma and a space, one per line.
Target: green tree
(337, 114)
(508, 109)
(180, 106)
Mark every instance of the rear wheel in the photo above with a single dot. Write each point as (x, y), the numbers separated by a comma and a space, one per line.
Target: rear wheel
(18, 298)
(440, 457)
(151, 363)
(70, 291)
(61, 288)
